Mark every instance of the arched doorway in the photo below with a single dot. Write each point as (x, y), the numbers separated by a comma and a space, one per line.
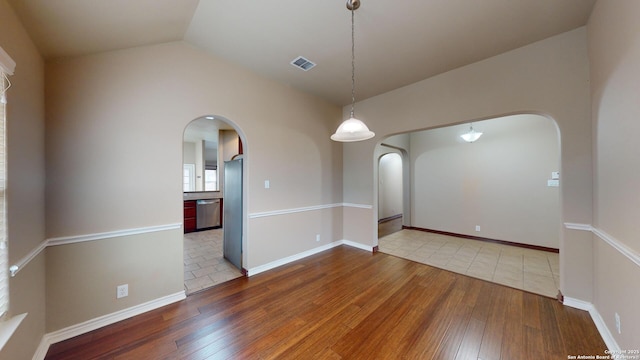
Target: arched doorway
(213, 203)
(502, 189)
(390, 194)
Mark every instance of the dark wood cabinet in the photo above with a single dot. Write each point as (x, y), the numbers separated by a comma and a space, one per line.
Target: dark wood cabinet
(189, 216)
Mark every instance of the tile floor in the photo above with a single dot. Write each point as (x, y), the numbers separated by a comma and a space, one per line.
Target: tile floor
(204, 265)
(530, 270)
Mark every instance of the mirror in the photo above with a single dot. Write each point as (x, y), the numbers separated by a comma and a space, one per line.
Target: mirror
(200, 154)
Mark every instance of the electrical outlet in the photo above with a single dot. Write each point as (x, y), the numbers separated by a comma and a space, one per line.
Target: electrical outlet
(317, 237)
(618, 323)
(478, 228)
(122, 291)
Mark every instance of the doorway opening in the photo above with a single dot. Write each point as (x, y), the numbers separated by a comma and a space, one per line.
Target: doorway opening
(488, 209)
(213, 202)
(390, 199)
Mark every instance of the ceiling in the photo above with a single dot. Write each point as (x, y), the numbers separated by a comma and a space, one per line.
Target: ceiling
(397, 43)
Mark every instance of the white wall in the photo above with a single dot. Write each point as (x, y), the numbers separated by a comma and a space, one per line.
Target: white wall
(614, 53)
(498, 182)
(189, 152)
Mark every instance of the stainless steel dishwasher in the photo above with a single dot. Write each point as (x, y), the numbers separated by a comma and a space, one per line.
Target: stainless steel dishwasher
(207, 213)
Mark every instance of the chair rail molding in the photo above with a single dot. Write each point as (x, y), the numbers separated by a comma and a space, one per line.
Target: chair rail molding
(305, 209)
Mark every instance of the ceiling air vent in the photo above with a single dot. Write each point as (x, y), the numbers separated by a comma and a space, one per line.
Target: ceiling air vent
(302, 63)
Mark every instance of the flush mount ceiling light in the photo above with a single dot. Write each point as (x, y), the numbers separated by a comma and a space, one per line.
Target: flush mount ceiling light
(471, 135)
(352, 129)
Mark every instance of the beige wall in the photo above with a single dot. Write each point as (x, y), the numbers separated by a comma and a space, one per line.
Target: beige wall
(25, 187)
(498, 182)
(104, 108)
(82, 278)
(549, 77)
(614, 53)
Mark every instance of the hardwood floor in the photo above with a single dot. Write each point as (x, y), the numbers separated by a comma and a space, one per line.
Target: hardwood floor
(346, 303)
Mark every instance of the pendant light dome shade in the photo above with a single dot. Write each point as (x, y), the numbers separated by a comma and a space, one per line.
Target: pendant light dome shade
(471, 135)
(352, 130)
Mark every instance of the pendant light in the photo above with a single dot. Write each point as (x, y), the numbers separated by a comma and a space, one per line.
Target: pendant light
(352, 129)
(471, 135)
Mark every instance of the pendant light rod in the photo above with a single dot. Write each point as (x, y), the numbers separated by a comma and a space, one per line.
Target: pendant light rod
(354, 6)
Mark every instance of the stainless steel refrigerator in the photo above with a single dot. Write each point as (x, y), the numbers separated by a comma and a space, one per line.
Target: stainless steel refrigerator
(232, 212)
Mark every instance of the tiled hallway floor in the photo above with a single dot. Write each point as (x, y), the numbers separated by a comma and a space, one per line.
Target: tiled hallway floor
(204, 264)
(530, 270)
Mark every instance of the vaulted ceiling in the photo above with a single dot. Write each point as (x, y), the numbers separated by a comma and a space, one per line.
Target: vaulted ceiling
(397, 43)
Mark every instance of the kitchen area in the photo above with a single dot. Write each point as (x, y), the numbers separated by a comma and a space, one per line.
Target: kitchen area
(212, 203)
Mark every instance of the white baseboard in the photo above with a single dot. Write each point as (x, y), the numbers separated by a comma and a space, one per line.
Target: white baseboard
(304, 254)
(607, 336)
(93, 324)
(357, 245)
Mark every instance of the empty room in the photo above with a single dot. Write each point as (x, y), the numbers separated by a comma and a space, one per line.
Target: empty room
(301, 101)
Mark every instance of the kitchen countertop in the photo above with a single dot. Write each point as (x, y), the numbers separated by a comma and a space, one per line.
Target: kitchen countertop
(201, 195)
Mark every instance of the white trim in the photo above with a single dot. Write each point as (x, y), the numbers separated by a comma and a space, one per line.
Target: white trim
(575, 226)
(608, 338)
(292, 211)
(361, 206)
(304, 254)
(357, 245)
(7, 328)
(622, 248)
(15, 269)
(93, 324)
(304, 209)
(577, 304)
(110, 234)
(6, 62)
(42, 350)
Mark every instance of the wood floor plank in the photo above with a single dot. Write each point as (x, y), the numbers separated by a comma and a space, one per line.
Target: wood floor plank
(470, 347)
(553, 344)
(513, 337)
(453, 339)
(346, 303)
(534, 343)
(532, 310)
(439, 340)
(496, 318)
